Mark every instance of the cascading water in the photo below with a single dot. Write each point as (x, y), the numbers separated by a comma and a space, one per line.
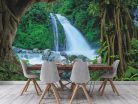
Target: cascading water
(34, 58)
(55, 31)
(75, 42)
(136, 17)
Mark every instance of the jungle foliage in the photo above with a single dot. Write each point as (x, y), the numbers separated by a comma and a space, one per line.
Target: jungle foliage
(117, 30)
(35, 31)
(108, 22)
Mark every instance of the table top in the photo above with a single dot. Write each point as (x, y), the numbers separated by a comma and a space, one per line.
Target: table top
(67, 67)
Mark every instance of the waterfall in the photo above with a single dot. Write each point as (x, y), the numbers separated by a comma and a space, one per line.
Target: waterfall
(55, 31)
(75, 42)
(136, 17)
(74, 39)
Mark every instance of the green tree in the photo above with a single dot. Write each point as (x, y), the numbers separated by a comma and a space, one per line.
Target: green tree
(34, 29)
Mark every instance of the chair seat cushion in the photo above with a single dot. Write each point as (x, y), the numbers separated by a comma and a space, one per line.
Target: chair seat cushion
(32, 76)
(107, 75)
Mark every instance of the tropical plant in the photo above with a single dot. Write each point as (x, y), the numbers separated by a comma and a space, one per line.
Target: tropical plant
(133, 53)
(130, 75)
(8, 70)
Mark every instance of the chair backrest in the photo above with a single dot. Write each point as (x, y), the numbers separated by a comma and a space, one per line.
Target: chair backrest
(24, 67)
(99, 60)
(115, 66)
(49, 72)
(77, 60)
(80, 72)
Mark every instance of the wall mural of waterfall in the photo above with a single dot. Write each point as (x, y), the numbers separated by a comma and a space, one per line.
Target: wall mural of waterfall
(73, 36)
(68, 29)
(55, 31)
(75, 44)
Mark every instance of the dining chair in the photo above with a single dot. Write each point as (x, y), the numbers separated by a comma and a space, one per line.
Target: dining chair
(30, 77)
(49, 75)
(66, 76)
(60, 73)
(80, 76)
(92, 83)
(109, 77)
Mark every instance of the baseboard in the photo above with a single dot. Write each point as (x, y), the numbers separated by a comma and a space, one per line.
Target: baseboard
(118, 82)
(96, 82)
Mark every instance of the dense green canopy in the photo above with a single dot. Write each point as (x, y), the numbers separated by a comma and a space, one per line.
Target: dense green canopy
(34, 30)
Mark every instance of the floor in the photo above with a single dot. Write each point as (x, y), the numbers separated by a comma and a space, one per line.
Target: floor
(10, 94)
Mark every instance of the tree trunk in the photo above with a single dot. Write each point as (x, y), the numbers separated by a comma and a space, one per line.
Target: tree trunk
(8, 26)
(117, 30)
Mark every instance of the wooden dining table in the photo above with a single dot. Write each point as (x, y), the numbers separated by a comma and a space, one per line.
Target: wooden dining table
(68, 67)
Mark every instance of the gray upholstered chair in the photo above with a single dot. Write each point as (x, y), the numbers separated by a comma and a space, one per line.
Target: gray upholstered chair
(80, 76)
(99, 60)
(109, 77)
(30, 77)
(49, 75)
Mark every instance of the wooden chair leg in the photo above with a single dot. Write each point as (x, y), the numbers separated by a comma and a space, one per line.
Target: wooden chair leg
(73, 86)
(35, 86)
(55, 93)
(104, 87)
(114, 87)
(101, 86)
(44, 92)
(86, 93)
(74, 93)
(25, 87)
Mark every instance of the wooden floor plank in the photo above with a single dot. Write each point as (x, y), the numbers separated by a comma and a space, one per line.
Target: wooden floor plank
(10, 94)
